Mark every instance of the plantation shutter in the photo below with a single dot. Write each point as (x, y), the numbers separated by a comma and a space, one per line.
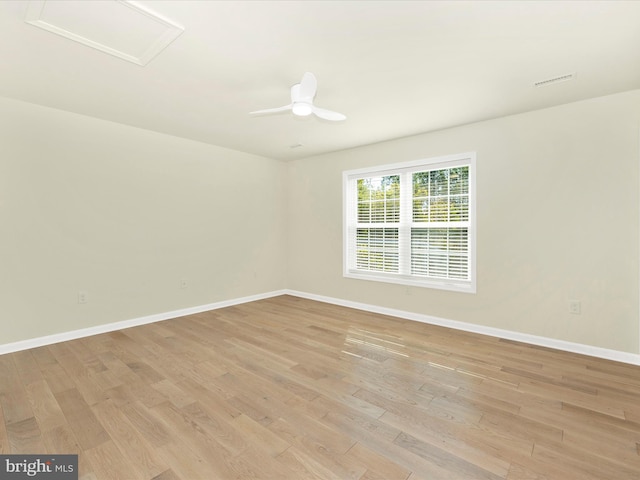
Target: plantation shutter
(411, 224)
(440, 223)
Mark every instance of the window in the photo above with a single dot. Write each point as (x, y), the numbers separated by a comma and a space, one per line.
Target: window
(412, 223)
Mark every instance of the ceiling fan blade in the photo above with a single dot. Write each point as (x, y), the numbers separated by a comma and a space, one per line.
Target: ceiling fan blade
(295, 93)
(302, 95)
(272, 110)
(308, 87)
(328, 114)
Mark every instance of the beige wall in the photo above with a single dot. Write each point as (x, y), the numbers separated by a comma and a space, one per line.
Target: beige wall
(125, 214)
(558, 215)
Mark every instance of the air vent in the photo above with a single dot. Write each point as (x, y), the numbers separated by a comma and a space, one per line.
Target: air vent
(552, 81)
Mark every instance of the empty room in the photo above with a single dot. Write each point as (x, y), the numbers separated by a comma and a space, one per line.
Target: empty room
(324, 240)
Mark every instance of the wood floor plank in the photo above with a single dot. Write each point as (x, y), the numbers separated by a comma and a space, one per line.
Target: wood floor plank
(167, 475)
(173, 393)
(260, 436)
(322, 450)
(15, 403)
(27, 367)
(581, 463)
(520, 472)
(45, 406)
(456, 467)
(292, 389)
(13, 396)
(81, 418)
(199, 454)
(476, 447)
(378, 466)
(57, 378)
(217, 426)
(109, 462)
(5, 446)
(43, 356)
(522, 427)
(86, 356)
(154, 431)
(61, 440)
(25, 436)
(304, 466)
(129, 440)
(185, 462)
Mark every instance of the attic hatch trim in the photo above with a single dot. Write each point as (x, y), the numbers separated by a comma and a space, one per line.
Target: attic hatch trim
(37, 15)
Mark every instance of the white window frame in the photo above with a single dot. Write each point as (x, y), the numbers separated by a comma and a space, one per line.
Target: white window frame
(405, 170)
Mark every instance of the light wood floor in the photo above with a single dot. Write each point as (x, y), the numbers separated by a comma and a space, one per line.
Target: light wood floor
(288, 388)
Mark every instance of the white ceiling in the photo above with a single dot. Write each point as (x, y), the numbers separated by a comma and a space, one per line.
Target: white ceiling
(394, 68)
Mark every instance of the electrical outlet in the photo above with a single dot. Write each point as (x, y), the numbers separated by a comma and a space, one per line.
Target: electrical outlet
(83, 297)
(574, 307)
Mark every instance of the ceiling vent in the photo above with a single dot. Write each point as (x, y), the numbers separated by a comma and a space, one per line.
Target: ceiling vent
(552, 81)
(117, 27)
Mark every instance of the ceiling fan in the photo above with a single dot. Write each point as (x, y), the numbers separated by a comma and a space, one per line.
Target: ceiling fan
(302, 95)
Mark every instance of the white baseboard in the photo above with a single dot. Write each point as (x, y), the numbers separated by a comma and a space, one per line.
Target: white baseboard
(589, 350)
(110, 327)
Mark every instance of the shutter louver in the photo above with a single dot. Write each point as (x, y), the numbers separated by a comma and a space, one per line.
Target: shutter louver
(412, 224)
(378, 206)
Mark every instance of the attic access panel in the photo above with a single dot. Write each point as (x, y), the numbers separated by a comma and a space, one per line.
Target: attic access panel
(118, 27)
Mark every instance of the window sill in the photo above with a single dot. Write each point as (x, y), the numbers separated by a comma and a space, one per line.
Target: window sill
(448, 284)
